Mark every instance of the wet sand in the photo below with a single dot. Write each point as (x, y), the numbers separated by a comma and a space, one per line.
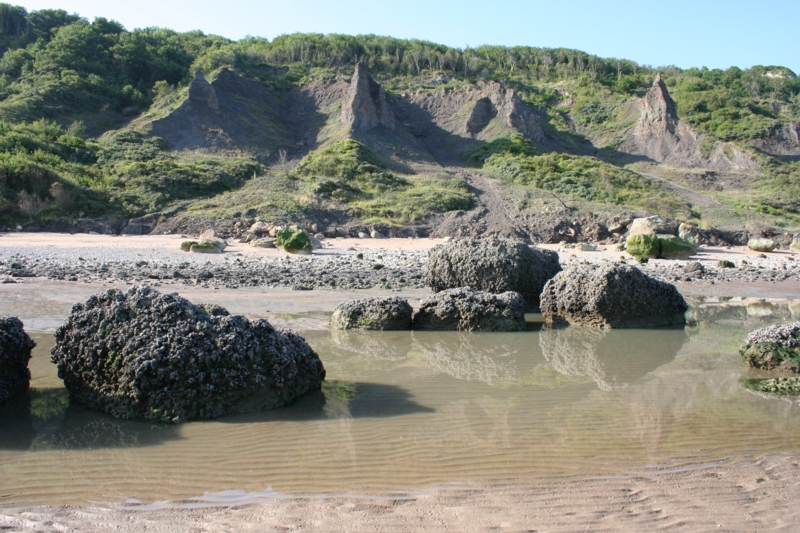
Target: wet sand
(746, 494)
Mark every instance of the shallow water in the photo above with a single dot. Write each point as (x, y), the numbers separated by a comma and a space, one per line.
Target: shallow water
(405, 411)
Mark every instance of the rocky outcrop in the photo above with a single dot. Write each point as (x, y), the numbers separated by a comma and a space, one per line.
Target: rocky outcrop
(611, 296)
(365, 106)
(498, 101)
(382, 314)
(229, 113)
(464, 309)
(15, 352)
(661, 136)
(773, 348)
(493, 265)
(143, 354)
(202, 93)
(783, 140)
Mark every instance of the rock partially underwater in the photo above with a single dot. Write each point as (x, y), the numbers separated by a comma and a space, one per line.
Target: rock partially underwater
(464, 309)
(143, 354)
(773, 348)
(493, 265)
(15, 352)
(382, 314)
(611, 296)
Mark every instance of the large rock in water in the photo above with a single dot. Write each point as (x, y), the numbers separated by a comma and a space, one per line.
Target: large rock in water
(15, 352)
(493, 265)
(463, 309)
(773, 347)
(383, 314)
(611, 296)
(143, 354)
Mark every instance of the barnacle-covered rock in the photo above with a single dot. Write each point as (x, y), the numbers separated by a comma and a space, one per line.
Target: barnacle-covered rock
(493, 265)
(464, 309)
(143, 354)
(611, 296)
(773, 347)
(15, 352)
(383, 314)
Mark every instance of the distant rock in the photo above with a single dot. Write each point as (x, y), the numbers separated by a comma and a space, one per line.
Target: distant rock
(202, 92)
(660, 135)
(773, 348)
(264, 242)
(690, 234)
(610, 296)
(654, 225)
(294, 240)
(672, 247)
(795, 246)
(762, 245)
(365, 106)
(382, 314)
(15, 352)
(493, 265)
(464, 309)
(144, 354)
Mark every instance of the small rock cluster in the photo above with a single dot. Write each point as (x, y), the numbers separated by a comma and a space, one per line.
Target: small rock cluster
(144, 354)
(15, 352)
(461, 309)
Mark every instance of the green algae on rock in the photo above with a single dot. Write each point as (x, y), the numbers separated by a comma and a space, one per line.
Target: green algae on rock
(673, 247)
(780, 386)
(773, 348)
(643, 245)
(294, 240)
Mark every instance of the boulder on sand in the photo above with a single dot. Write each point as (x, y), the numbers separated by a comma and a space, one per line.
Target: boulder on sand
(773, 347)
(673, 247)
(294, 240)
(662, 246)
(15, 352)
(144, 354)
(654, 225)
(611, 296)
(382, 314)
(493, 265)
(464, 309)
(761, 245)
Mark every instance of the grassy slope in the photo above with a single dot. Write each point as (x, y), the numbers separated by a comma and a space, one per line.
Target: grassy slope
(93, 77)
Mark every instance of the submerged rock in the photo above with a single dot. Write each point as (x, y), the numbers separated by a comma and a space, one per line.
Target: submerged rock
(143, 354)
(382, 314)
(15, 352)
(493, 265)
(773, 347)
(779, 386)
(611, 296)
(464, 309)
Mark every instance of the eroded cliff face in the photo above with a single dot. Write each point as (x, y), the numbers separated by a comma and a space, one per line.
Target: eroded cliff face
(229, 113)
(365, 106)
(661, 136)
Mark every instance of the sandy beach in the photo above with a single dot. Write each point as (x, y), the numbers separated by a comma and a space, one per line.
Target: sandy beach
(748, 493)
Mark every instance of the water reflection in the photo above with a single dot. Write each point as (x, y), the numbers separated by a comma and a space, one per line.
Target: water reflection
(389, 345)
(487, 357)
(612, 358)
(44, 419)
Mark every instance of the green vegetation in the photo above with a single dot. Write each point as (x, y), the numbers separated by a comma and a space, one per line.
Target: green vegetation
(582, 177)
(347, 172)
(48, 172)
(778, 386)
(70, 89)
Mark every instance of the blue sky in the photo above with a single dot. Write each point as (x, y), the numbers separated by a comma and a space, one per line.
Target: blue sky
(711, 33)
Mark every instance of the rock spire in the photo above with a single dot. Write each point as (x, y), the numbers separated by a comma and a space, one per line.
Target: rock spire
(365, 106)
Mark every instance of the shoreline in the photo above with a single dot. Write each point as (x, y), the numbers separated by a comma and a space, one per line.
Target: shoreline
(740, 494)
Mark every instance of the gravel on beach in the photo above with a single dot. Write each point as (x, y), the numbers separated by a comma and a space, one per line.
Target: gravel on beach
(376, 269)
